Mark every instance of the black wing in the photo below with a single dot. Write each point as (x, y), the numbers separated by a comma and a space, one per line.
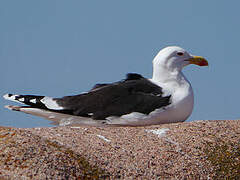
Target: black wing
(129, 76)
(134, 94)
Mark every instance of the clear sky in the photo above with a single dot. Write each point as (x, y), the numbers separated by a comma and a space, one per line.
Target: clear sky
(58, 48)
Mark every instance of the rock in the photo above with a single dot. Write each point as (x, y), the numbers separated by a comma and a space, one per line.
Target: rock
(191, 150)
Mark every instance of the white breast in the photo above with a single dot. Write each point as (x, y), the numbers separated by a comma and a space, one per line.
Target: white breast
(182, 101)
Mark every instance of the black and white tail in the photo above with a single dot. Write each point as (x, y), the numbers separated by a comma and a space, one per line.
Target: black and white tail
(48, 108)
(42, 102)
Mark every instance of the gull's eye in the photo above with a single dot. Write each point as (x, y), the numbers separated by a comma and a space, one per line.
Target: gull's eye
(180, 53)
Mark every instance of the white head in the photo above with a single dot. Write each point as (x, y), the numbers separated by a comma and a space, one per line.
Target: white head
(172, 59)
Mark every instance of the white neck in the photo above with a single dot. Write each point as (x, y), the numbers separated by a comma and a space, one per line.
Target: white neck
(163, 75)
(174, 83)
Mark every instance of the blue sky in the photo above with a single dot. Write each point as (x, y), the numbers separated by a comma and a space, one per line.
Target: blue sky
(58, 48)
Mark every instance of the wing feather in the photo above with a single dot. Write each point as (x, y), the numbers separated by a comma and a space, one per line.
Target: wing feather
(134, 94)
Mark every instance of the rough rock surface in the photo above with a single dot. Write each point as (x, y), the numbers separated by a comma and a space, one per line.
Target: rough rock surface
(192, 150)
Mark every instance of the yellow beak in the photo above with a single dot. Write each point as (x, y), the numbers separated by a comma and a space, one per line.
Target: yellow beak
(198, 60)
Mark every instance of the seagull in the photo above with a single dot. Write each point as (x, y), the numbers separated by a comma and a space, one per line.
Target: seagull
(134, 101)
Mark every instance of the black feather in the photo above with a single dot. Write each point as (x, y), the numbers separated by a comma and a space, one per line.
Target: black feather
(134, 94)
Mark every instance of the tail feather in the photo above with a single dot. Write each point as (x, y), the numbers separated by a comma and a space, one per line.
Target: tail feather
(42, 102)
(57, 118)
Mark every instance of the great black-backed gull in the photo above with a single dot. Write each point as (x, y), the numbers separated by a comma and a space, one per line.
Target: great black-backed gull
(135, 101)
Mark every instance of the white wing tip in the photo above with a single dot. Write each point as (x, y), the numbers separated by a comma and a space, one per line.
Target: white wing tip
(11, 97)
(6, 96)
(50, 103)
